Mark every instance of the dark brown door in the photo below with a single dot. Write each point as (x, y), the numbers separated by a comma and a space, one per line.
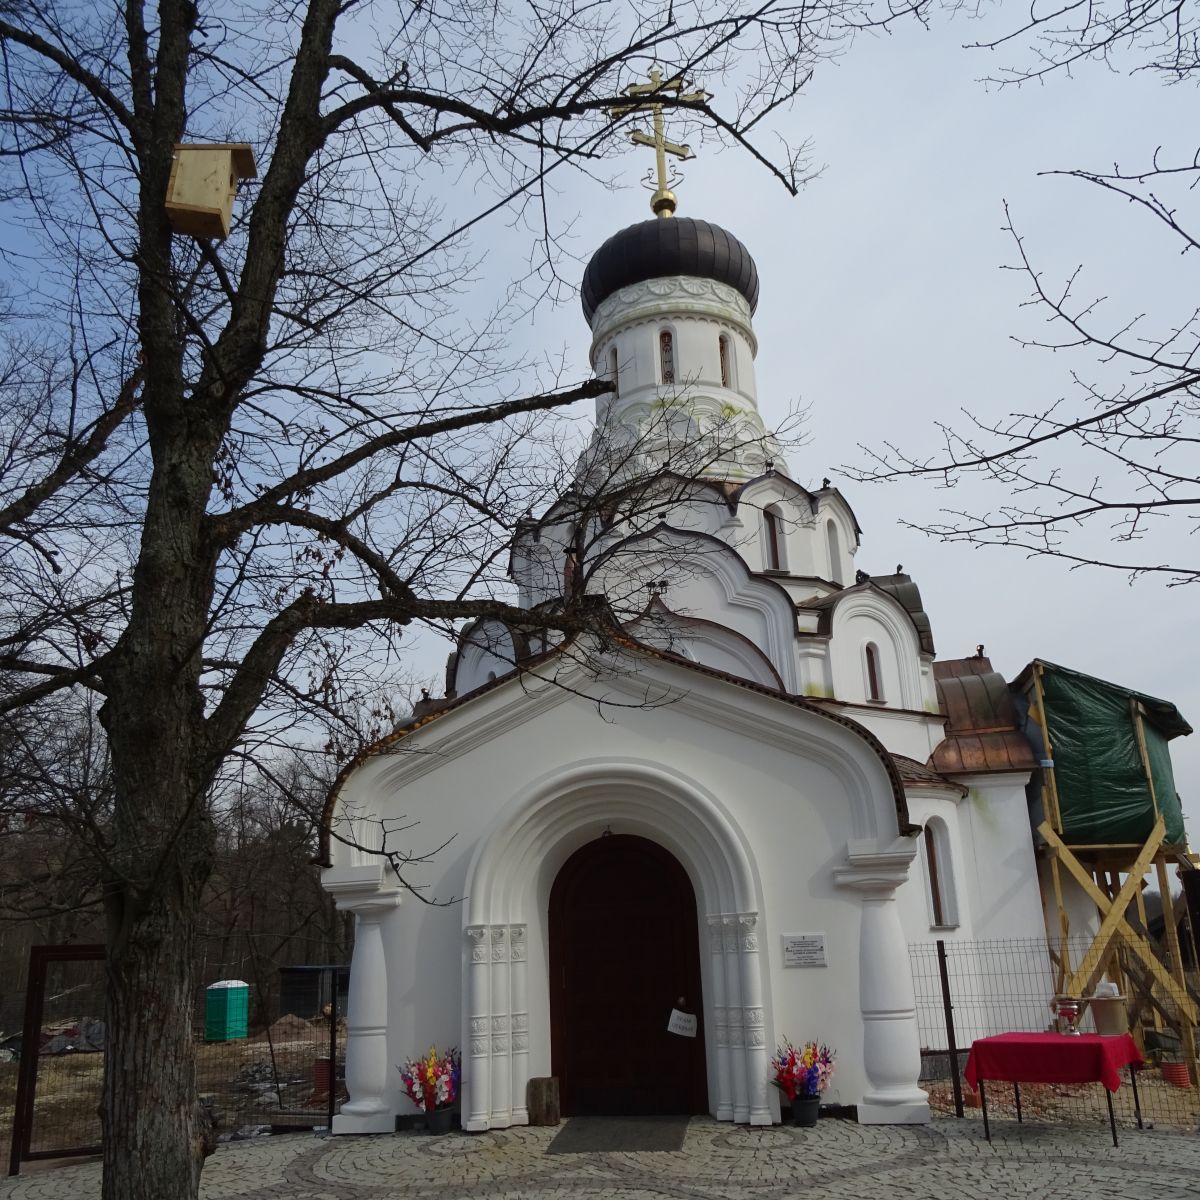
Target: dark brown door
(624, 949)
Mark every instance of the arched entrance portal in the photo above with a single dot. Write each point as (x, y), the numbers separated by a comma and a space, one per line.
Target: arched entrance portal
(624, 949)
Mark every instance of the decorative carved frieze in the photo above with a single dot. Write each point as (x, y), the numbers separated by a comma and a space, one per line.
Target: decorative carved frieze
(684, 295)
(729, 934)
(754, 1022)
(477, 939)
(748, 928)
(499, 943)
(517, 943)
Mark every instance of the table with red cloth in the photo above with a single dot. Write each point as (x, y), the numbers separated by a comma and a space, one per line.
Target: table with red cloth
(1053, 1058)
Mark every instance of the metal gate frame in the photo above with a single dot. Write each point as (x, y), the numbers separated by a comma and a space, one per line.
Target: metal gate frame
(40, 957)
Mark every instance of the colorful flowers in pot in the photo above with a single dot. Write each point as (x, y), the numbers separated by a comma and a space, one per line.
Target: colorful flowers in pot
(432, 1082)
(803, 1071)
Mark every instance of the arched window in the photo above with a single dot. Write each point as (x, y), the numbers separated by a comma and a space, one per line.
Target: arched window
(666, 355)
(874, 689)
(774, 551)
(939, 875)
(834, 544)
(614, 375)
(726, 365)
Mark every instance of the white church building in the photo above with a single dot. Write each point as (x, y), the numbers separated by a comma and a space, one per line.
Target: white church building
(741, 797)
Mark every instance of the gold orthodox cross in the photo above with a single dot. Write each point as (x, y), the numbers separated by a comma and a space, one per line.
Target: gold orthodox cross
(663, 201)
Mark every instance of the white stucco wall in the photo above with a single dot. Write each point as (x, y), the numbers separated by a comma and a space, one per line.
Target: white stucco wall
(796, 787)
(997, 942)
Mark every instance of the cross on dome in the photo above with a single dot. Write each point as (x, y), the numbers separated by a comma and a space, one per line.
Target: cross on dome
(663, 201)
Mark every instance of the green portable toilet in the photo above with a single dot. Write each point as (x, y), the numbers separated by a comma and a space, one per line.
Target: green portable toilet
(226, 1010)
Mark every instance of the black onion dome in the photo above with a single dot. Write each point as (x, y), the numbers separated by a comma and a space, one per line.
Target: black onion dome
(668, 246)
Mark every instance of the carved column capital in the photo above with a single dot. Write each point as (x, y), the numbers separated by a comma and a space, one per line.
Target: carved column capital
(874, 872)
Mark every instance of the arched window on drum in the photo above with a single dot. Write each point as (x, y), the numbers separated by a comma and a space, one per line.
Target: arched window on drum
(939, 875)
(871, 669)
(833, 543)
(774, 545)
(666, 356)
(725, 349)
(614, 374)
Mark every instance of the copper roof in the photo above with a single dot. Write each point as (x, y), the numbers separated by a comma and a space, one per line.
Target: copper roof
(983, 731)
(915, 774)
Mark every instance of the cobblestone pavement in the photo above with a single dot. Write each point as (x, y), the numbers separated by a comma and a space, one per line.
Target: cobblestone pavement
(837, 1159)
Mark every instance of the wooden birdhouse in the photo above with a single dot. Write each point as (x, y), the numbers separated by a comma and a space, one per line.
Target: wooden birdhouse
(203, 184)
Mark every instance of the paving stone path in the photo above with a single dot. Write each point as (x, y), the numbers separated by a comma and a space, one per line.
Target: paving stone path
(948, 1160)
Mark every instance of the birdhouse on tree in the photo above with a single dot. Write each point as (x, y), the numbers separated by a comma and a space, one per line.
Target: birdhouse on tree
(203, 184)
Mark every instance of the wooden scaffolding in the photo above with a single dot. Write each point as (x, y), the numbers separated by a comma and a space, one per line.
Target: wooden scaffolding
(1112, 876)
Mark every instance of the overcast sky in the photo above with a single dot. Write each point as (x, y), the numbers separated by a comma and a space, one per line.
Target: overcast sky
(883, 309)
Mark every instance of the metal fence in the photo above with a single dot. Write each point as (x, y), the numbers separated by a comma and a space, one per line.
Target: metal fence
(281, 1071)
(967, 990)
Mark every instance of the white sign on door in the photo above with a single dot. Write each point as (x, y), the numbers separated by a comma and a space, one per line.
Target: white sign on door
(682, 1023)
(804, 950)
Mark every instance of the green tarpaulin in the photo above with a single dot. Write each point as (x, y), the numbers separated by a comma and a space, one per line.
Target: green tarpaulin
(1103, 793)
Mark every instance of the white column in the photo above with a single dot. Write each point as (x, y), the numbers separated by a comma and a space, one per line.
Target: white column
(501, 1061)
(476, 1087)
(368, 1062)
(716, 951)
(753, 1020)
(891, 1040)
(518, 984)
(734, 1019)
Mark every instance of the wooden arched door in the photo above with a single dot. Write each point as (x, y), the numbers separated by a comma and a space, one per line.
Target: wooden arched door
(624, 948)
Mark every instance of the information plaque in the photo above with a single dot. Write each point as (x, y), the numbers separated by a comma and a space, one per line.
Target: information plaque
(804, 950)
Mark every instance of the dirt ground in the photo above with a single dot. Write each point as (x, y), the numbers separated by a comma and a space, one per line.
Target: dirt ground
(241, 1081)
(1163, 1105)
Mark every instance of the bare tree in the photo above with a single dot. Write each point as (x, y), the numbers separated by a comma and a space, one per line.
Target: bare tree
(1105, 474)
(1162, 36)
(235, 473)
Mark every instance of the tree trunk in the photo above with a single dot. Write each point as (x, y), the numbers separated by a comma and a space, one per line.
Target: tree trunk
(155, 1133)
(163, 842)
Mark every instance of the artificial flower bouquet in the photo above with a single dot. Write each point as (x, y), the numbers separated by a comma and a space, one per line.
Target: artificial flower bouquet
(432, 1082)
(803, 1071)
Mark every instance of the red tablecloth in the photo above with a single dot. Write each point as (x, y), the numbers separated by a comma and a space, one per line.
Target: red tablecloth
(1051, 1058)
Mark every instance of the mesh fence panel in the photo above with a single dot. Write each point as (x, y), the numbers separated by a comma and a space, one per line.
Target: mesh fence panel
(1006, 986)
(275, 1072)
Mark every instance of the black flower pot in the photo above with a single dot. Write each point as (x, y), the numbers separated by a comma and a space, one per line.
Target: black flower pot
(441, 1120)
(805, 1110)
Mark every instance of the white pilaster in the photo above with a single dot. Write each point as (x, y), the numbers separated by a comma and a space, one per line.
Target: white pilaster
(891, 1041)
(367, 1059)
(716, 950)
(501, 1059)
(753, 1020)
(476, 1086)
(735, 1018)
(518, 980)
